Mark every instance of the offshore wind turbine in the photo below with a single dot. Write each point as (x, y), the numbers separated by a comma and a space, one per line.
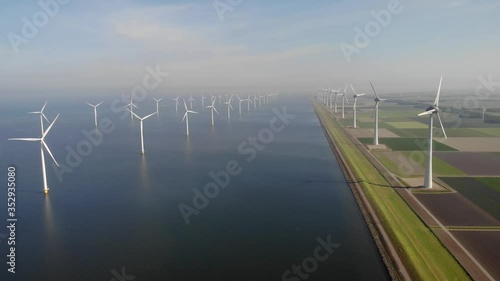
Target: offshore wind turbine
(431, 110)
(248, 100)
(203, 100)
(186, 116)
(212, 107)
(157, 105)
(190, 100)
(176, 103)
(240, 101)
(42, 146)
(375, 112)
(95, 111)
(255, 98)
(355, 96)
(132, 105)
(229, 107)
(484, 110)
(142, 128)
(42, 115)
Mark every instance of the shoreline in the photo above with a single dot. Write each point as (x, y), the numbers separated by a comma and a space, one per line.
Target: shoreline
(394, 266)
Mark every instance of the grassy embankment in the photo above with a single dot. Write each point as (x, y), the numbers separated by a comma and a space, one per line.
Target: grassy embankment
(424, 256)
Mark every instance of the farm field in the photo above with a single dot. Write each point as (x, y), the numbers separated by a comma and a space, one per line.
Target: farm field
(478, 191)
(473, 144)
(472, 163)
(490, 131)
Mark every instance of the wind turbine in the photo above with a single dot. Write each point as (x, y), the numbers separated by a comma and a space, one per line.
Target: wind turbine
(186, 116)
(203, 100)
(240, 101)
(248, 100)
(42, 115)
(212, 107)
(433, 109)
(229, 107)
(484, 110)
(355, 96)
(375, 111)
(336, 99)
(132, 105)
(42, 146)
(255, 98)
(190, 100)
(95, 111)
(344, 99)
(176, 103)
(157, 106)
(260, 99)
(142, 128)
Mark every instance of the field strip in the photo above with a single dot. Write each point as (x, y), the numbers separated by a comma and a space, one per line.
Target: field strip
(421, 250)
(468, 228)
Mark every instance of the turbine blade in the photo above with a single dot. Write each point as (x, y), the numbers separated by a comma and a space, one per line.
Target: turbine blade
(216, 111)
(149, 116)
(436, 101)
(134, 114)
(353, 90)
(99, 103)
(90, 104)
(50, 153)
(43, 107)
(442, 127)
(25, 139)
(190, 111)
(428, 112)
(50, 127)
(184, 116)
(45, 117)
(376, 95)
(185, 106)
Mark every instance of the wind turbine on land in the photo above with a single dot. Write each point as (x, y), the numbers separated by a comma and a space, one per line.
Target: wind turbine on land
(186, 116)
(336, 99)
(344, 99)
(42, 115)
(375, 112)
(95, 111)
(142, 128)
(176, 103)
(42, 146)
(431, 110)
(229, 107)
(157, 105)
(212, 107)
(355, 96)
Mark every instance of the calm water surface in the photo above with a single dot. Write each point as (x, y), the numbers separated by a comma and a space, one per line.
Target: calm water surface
(118, 209)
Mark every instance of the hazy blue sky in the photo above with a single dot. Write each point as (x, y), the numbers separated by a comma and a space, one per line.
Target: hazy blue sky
(99, 45)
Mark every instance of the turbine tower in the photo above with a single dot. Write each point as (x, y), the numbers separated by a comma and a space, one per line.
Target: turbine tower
(484, 110)
(142, 128)
(132, 105)
(42, 146)
(186, 116)
(212, 107)
(375, 111)
(355, 96)
(433, 109)
(95, 111)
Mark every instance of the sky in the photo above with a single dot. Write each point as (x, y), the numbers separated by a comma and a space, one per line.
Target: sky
(97, 46)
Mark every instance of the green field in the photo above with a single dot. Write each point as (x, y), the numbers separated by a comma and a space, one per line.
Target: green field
(439, 167)
(408, 144)
(491, 182)
(490, 131)
(484, 192)
(423, 254)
